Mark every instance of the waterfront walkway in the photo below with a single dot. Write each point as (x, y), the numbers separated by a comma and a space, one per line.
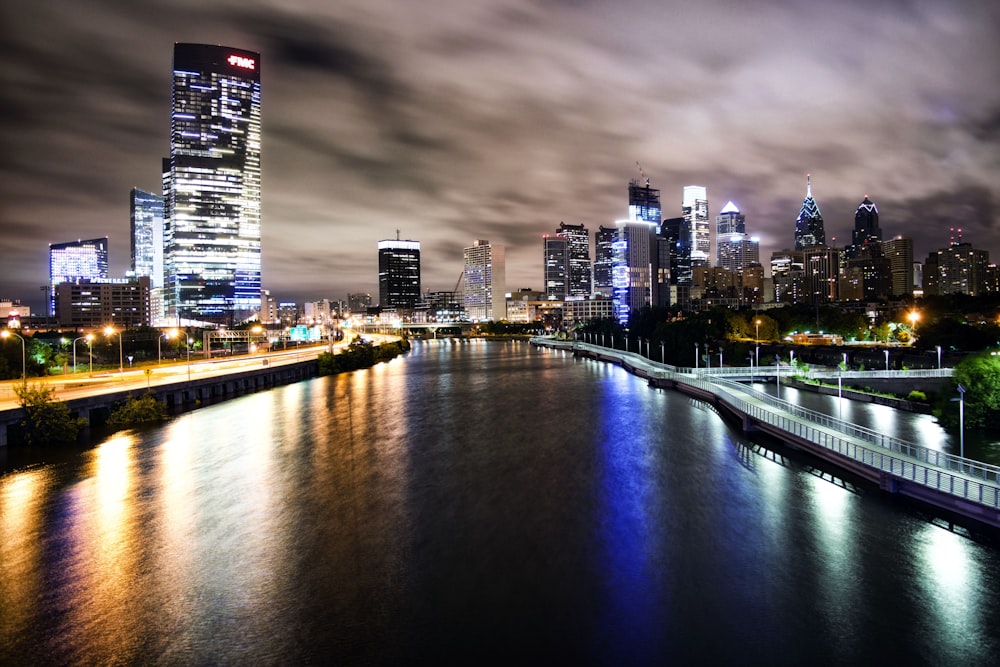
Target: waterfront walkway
(955, 484)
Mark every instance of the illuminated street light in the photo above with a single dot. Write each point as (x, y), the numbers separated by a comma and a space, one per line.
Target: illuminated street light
(111, 331)
(88, 337)
(90, 351)
(913, 317)
(159, 339)
(6, 333)
(757, 333)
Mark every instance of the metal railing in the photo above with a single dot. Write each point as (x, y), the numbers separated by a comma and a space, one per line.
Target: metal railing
(954, 475)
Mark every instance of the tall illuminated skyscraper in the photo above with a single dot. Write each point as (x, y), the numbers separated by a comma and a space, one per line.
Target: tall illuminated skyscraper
(555, 250)
(695, 209)
(809, 225)
(735, 250)
(485, 282)
(212, 185)
(634, 264)
(604, 239)
(398, 273)
(578, 279)
(75, 261)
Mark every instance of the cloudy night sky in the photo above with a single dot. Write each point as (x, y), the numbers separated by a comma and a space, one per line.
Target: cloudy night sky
(455, 120)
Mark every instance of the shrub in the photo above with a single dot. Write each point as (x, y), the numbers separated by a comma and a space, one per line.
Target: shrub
(917, 395)
(46, 421)
(137, 411)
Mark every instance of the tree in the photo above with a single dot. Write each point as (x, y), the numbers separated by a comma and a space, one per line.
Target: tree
(46, 421)
(980, 375)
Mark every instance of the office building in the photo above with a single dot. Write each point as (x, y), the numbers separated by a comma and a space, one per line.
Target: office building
(398, 273)
(957, 269)
(809, 229)
(694, 208)
(633, 271)
(898, 252)
(359, 302)
(76, 260)
(555, 250)
(578, 278)
(866, 238)
(485, 296)
(101, 302)
(735, 249)
(604, 255)
(212, 188)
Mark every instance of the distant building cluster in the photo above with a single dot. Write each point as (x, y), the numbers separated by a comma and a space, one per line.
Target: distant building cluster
(196, 246)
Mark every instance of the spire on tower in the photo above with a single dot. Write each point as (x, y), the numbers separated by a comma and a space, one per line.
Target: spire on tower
(809, 187)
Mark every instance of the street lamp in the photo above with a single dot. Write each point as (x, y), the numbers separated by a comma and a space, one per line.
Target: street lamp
(696, 353)
(88, 337)
(913, 317)
(188, 345)
(159, 339)
(939, 356)
(757, 332)
(886, 359)
(720, 357)
(777, 375)
(90, 351)
(111, 331)
(961, 420)
(6, 333)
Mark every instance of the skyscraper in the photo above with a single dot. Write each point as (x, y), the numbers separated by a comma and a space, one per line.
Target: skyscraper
(866, 230)
(735, 250)
(485, 282)
(634, 251)
(212, 185)
(578, 280)
(398, 273)
(899, 253)
(146, 217)
(809, 225)
(604, 253)
(556, 266)
(694, 207)
(74, 261)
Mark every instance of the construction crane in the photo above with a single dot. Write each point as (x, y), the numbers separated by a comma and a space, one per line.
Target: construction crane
(642, 173)
(459, 281)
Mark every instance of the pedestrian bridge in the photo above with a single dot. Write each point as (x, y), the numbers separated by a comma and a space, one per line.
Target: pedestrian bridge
(955, 484)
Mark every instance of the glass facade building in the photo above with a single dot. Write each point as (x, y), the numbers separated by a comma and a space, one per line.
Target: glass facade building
(809, 229)
(485, 294)
(74, 261)
(212, 186)
(694, 208)
(147, 235)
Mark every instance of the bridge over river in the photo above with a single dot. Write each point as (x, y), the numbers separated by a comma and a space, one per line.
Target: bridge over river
(951, 483)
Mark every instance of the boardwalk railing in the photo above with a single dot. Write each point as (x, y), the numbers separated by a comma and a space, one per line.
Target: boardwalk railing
(952, 475)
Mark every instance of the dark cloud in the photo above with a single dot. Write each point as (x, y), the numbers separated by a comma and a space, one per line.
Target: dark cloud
(453, 121)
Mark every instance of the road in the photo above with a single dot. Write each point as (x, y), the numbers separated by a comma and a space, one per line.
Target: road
(77, 385)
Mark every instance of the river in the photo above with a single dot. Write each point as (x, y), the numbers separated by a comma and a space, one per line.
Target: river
(474, 503)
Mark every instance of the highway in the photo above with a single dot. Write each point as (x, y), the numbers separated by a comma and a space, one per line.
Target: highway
(82, 383)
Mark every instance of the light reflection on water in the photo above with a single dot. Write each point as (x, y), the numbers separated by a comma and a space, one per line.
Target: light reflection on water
(473, 502)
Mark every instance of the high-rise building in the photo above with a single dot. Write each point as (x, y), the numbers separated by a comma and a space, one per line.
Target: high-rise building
(74, 261)
(735, 249)
(146, 210)
(866, 232)
(694, 207)
(578, 278)
(212, 185)
(556, 266)
(358, 302)
(957, 269)
(809, 225)
(633, 270)
(485, 282)
(643, 202)
(899, 253)
(398, 273)
(604, 254)
(678, 235)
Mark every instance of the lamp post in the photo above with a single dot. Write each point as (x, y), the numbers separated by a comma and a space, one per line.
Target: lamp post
(757, 356)
(663, 354)
(961, 420)
(913, 317)
(187, 340)
(696, 353)
(6, 333)
(886, 359)
(159, 339)
(88, 337)
(757, 331)
(939, 356)
(111, 331)
(777, 375)
(720, 357)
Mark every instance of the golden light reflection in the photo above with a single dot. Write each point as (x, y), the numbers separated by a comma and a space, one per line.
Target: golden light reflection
(22, 499)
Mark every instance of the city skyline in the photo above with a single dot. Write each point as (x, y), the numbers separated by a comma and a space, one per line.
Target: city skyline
(380, 112)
